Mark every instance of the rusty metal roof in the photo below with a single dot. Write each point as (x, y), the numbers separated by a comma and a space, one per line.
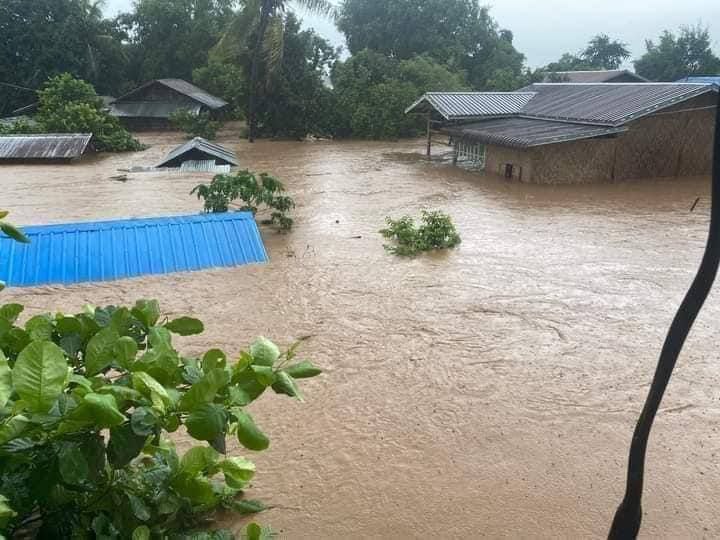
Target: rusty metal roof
(45, 146)
(183, 87)
(199, 149)
(598, 76)
(466, 105)
(612, 104)
(149, 109)
(527, 132)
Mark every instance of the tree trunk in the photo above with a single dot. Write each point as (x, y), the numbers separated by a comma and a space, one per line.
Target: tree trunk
(257, 53)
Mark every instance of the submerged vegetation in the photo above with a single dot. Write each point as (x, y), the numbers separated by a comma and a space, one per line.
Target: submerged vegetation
(254, 193)
(436, 231)
(195, 125)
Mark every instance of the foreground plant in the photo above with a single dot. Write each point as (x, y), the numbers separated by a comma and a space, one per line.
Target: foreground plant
(245, 186)
(437, 231)
(86, 405)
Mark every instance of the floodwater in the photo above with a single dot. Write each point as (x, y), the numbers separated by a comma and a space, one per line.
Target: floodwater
(486, 392)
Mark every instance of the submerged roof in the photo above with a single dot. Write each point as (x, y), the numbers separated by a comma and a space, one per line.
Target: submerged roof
(703, 79)
(182, 87)
(103, 251)
(528, 132)
(199, 149)
(149, 109)
(464, 105)
(45, 146)
(595, 76)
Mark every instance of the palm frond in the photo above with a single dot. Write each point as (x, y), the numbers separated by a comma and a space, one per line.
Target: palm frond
(319, 7)
(274, 44)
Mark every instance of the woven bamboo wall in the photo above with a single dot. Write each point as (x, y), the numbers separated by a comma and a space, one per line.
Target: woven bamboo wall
(497, 157)
(577, 162)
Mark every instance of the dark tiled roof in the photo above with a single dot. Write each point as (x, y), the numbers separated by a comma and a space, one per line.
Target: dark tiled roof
(464, 105)
(599, 76)
(46, 146)
(199, 146)
(183, 87)
(527, 132)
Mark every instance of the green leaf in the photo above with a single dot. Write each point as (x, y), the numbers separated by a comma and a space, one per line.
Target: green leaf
(141, 533)
(73, 466)
(248, 433)
(125, 350)
(6, 387)
(10, 312)
(245, 507)
(124, 446)
(6, 513)
(198, 459)
(13, 232)
(99, 351)
(67, 326)
(100, 409)
(13, 427)
(40, 374)
(255, 532)
(206, 422)
(139, 508)
(214, 358)
(264, 352)
(144, 421)
(286, 385)
(185, 326)
(159, 338)
(197, 489)
(264, 375)
(40, 328)
(237, 471)
(205, 390)
(152, 389)
(147, 312)
(303, 370)
(121, 393)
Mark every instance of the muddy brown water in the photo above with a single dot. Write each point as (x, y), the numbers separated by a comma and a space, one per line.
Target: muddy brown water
(486, 392)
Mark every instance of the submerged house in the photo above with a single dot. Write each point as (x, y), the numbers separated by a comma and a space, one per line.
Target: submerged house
(150, 106)
(60, 147)
(596, 76)
(579, 132)
(200, 155)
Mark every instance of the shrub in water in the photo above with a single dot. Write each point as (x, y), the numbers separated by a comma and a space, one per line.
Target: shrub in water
(195, 125)
(436, 232)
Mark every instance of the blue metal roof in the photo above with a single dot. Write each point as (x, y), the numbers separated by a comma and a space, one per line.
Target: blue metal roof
(703, 79)
(108, 250)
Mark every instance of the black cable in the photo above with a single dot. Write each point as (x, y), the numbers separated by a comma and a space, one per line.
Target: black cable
(628, 517)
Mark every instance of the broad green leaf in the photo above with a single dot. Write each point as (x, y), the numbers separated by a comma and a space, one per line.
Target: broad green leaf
(13, 427)
(245, 507)
(237, 471)
(144, 421)
(40, 328)
(6, 513)
(124, 446)
(99, 351)
(10, 312)
(125, 350)
(206, 422)
(248, 433)
(255, 532)
(147, 312)
(101, 409)
(6, 387)
(141, 533)
(150, 388)
(264, 352)
(185, 326)
(67, 326)
(15, 340)
(264, 375)
(40, 374)
(286, 385)
(205, 390)
(121, 393)
(4, 214)
(13, 232)
(214, 358)
(197, 489)
(139, 508)
(73, 466)
(159, 338)
(303, 370)
(198, 459)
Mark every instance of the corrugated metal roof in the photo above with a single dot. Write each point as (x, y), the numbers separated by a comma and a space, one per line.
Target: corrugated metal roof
(149, 109)
(607, 103)
(526, 133)
(196, 149)
(103, 251)
(702, 79)
(45, 146)
(183, 87)
(599, 76)
(463, 105)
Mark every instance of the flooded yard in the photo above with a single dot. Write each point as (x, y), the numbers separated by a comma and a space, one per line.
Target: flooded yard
(489, 391)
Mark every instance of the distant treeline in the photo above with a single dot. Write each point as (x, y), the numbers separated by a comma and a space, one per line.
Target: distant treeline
(398, 50)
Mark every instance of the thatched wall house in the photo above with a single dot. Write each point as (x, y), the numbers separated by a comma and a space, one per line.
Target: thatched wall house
(574, 133)
(150, 106)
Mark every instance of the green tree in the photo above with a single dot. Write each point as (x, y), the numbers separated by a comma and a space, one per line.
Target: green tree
(676, 56)
(43, 38)
(604, 53)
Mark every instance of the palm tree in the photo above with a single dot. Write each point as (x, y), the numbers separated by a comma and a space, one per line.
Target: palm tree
(268, 10)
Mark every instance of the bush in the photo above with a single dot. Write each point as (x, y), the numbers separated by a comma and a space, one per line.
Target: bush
(20, 127)
(225, 189)
(69, 105)
(86, 404)
(436, 232)
(195, 125)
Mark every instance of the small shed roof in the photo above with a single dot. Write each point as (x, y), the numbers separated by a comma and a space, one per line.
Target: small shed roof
(528, 132)
(182, 87)
(464, 105)
(199, 149)
(149, 109)
(595, 76)
(45, 146)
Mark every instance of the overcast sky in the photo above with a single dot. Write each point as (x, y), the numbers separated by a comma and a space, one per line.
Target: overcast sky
(546, 29)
